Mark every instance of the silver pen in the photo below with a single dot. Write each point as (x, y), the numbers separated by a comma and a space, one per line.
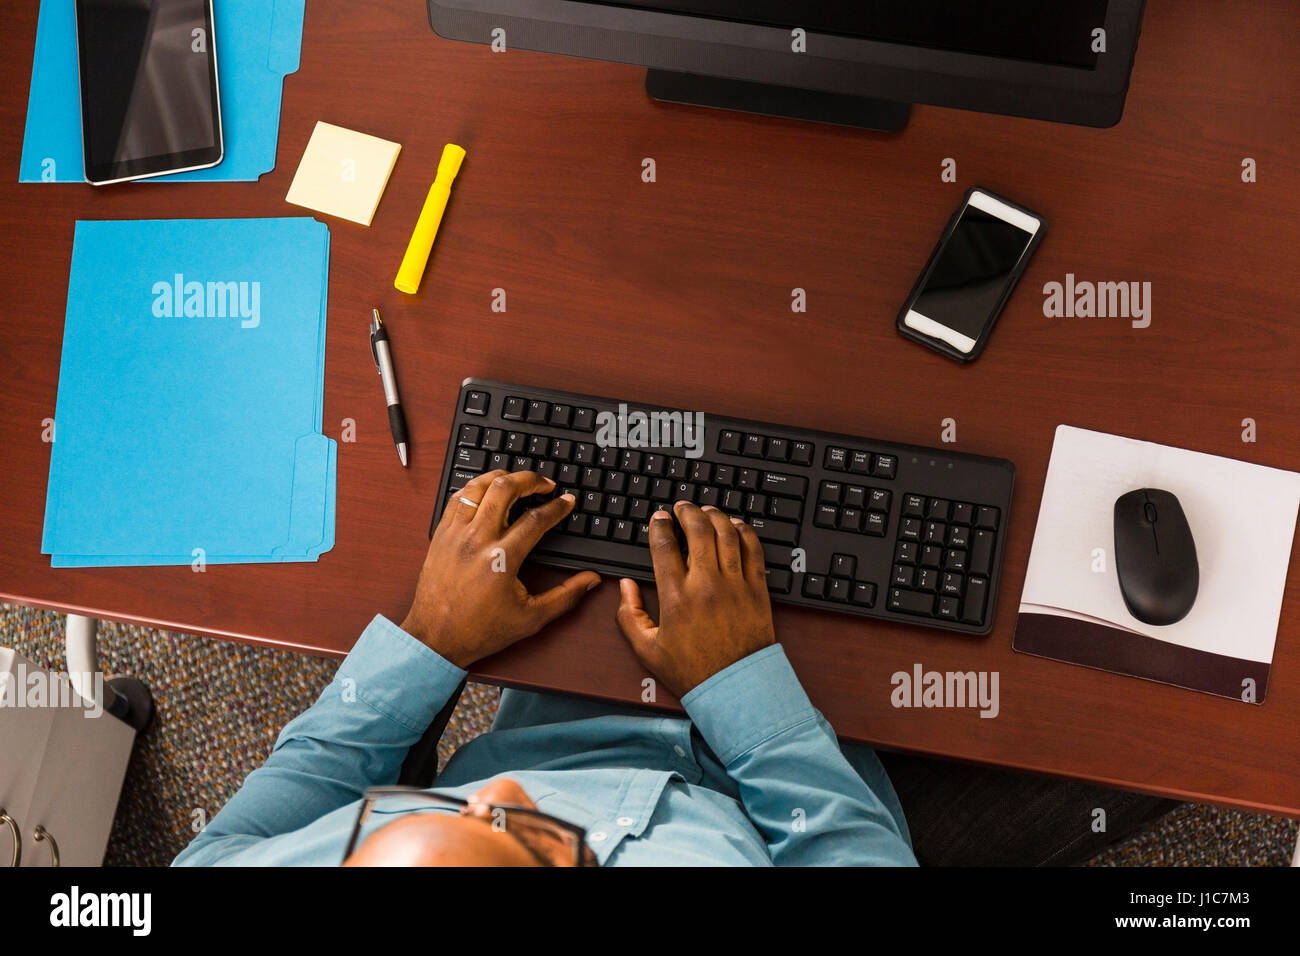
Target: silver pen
(384, 365)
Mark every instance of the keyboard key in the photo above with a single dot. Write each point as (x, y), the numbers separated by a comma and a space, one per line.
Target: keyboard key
(477, 403)
(616, 506)
(981, 553)
(753, 447)
(801, 452)
(778, 555)
(471, 459)
(577, 523)
(837, 459)
(936, 509)
(469, 435)
(927, 579)
(701, 472)
(747, 478)
(911, 529)
(913, 506)
(592, 502)
(516, 443)
(678, 469)
(948, 608)
(781, 532)
(661, 489)
(639, 509)
(860, 462)
(839, 589)
(878, 500)
(951, 585)
(958, 536)
(584, 453)
(778, 580)
(624, 531)
(911, 602)
(537, 412)
(684, 491)
(498, 459)
(955, 560)
(904, 576)
(514, 409)
(977, 593)
(756, 504)
(709, 495)
(460, 478)
(787, 509)
(584, 419)
(932, 556)
(653, 464)
(935, 532)
(569, 474)
(855, 496)
(599, 527)
(521, 463)
(607, 457)
(493, 439)
(729, 442)
(814, 585)
(875, 524)
(843, 565)
(829, 492)
(616, 482)
(850, 519)
(884, 466)
(906, 552)
(774, 483)
(630, 461)
(561, 449)
(592, 478)
(547, 469)
(732, 501)
(987, 518)
(561, 416)
(538, 446)
(778, 449)
(864, 593)
(724, 475)
(826, 516)
(963, 513)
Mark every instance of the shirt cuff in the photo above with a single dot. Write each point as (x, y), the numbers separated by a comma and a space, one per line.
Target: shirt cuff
(397, 675)
(754, 699)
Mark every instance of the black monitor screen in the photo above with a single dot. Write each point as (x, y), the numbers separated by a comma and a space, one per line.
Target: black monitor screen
(1043, 31)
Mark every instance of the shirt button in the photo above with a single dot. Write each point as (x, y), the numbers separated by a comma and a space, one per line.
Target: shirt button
(625, 821)
(679, 750)
(596, 837)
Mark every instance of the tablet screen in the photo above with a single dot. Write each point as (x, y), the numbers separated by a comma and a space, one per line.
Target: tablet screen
(148, 87)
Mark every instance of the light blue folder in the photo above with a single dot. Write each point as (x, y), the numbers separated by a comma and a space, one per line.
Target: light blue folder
(188, 419)
(258, 43)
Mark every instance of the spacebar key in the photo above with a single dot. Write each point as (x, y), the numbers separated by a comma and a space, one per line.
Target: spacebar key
(596, 551)
(778, 532)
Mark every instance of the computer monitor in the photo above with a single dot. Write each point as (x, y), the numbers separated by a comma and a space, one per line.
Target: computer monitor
(853, 62)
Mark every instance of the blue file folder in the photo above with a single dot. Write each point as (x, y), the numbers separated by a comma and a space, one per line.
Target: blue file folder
(188, 420)
(258, 43)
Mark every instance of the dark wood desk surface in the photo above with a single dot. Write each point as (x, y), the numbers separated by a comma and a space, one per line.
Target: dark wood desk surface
(678, 292)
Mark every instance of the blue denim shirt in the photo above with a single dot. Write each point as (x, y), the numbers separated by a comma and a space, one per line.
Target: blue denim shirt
(752, 776)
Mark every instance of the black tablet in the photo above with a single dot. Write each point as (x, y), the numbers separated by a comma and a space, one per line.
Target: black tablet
(149, 97)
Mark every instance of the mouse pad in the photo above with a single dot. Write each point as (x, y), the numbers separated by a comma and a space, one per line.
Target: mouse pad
(1242, 517)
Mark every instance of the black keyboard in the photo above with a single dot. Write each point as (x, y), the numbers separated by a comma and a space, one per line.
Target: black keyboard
(855, 525)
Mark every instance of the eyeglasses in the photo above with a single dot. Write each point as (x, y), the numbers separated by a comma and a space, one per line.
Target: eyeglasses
(554, 842)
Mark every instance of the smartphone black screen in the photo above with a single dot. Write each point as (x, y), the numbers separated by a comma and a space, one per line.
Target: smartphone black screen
(972, 272)
(149, 98)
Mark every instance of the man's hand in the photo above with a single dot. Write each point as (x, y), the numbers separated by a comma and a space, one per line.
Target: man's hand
(469, 602)
(713, 612)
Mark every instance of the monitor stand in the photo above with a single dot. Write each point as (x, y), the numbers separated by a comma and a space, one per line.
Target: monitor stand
(785, 101)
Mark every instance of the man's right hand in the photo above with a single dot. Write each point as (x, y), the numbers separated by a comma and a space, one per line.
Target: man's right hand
(714, 609)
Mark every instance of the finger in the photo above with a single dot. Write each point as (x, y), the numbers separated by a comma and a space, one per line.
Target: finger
(701, 541)
(637, 626)
(751, 550)
(727, 541)
(670, 571)
(503, 491)
(522, 536)
(474, 490)
(561, 599)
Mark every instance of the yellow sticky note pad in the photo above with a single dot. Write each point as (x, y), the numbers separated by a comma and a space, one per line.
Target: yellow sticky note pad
(343, 173)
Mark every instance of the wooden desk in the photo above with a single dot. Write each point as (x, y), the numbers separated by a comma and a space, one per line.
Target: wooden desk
(678, 292)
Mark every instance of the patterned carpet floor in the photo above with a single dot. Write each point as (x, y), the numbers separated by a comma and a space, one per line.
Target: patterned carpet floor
(220, 706)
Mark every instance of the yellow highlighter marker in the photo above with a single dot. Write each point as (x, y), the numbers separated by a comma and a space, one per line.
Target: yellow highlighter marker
(426, 227)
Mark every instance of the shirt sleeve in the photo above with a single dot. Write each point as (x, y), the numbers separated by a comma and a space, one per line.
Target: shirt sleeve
(801, 794)
(383, 697)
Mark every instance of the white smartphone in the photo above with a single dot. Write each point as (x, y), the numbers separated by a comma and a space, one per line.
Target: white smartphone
(983, 250)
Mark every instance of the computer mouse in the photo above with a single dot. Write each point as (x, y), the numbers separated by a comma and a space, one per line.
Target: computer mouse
(1155, 556)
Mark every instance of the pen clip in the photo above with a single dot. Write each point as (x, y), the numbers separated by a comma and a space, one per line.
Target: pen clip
(376, 325)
